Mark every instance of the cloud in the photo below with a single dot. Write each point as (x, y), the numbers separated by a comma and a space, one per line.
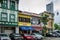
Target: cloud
(35, 6)
(38, 6)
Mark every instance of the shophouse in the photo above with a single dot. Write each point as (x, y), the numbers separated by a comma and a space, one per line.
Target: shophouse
(36, 22)
(50, 23)
(29, 21)
(24, 22)
(8, 16)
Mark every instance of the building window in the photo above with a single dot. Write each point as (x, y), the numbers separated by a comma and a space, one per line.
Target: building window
(12, 17)
(12, 5)
(4, 16)
(35, 21)
(27, 19)
(39, 21)
(21, 19)
(4, 4)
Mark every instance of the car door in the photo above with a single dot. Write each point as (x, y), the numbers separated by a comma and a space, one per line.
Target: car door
(33, 35)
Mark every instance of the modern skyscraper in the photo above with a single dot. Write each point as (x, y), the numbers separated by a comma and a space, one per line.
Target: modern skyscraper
(49, 7)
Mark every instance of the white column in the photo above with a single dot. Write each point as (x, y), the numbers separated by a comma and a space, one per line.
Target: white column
(8, 4)
(16, 5)
(30, 31)
(16, 29)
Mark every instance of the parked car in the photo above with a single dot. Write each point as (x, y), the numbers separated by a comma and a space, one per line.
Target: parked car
(58, 31)
(37, 36)
(28, 37)
(58, 34)
(4, 36)
(16, 36)
(52, 34)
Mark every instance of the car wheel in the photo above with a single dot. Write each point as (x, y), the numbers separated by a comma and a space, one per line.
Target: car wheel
(41, 39)
(36, 38)
(24, 39)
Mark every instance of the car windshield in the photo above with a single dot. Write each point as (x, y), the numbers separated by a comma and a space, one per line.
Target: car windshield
(4, 35)
(27, 34)
(17, 35)
(37, 33)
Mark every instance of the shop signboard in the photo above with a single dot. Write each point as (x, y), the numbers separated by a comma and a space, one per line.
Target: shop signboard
(24, 24)
(9, 23)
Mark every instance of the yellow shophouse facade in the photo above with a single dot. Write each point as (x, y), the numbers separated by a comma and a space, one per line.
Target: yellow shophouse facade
(24, 20)
(50, 23)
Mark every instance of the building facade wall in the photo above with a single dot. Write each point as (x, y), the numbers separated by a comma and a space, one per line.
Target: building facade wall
(50, 21)
(8, 15)
(23, 22)
(35, 21)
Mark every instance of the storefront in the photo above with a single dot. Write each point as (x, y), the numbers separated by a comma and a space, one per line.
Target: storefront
(8, 27)
(8, 30)
(24, 22)
(37, 29)
(36, 24)
(8, 16)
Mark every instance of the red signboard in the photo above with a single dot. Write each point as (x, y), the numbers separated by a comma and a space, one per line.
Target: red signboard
(38, 28)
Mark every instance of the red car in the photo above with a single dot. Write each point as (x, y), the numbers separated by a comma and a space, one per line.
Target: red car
(27, 37)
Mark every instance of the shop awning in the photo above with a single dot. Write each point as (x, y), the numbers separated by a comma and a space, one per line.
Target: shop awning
(26, 28)
(38, 28)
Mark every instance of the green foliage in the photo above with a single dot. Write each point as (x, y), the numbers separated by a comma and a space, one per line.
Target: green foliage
(44, 19)
(59, 28)
(44, 31)
(56, 26)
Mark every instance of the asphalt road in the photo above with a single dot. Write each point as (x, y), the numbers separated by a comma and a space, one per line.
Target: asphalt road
(52, 38)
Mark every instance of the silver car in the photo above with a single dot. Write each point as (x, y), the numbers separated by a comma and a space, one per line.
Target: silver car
(4, 36)
(37, 36)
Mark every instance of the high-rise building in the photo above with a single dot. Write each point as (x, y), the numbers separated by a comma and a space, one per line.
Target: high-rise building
(49, 7)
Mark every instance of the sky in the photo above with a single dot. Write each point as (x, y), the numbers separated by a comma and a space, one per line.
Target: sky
(38, 6)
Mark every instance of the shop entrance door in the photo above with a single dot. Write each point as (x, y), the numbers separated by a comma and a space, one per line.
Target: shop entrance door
(9, 30)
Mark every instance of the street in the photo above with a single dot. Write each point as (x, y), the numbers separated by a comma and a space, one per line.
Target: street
(52, 38)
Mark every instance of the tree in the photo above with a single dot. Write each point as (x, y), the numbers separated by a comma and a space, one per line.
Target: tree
(56, 26)
(44, 19)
